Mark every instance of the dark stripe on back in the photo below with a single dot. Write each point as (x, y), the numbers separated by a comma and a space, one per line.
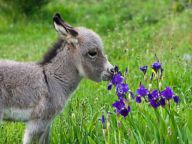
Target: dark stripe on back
(45, 77)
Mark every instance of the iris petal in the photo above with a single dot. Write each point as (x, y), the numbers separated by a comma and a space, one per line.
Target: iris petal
(138, 99)
(156, 66)
(142, 91)
(176, 99)
(167, 93)
(144, 69)
(117, 79)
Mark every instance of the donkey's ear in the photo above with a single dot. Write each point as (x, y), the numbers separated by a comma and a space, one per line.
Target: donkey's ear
(62, 27)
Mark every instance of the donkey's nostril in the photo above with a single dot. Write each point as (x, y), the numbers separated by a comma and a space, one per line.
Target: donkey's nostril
(112, 70)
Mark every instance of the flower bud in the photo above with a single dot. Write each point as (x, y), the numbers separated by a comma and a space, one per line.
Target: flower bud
(150, 86)
(73, 115)
(160, 85)
(169, 131)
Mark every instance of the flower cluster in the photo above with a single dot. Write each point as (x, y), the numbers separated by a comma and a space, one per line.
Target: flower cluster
(155, 97)
(121, 105)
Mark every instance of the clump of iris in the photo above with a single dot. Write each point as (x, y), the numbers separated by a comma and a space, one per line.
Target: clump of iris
(118, 81)
(155, 97)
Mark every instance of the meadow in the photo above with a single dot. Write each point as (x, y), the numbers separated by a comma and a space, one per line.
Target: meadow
(133, 32)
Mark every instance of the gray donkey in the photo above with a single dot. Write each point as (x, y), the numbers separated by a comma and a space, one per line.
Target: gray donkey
(35, 92)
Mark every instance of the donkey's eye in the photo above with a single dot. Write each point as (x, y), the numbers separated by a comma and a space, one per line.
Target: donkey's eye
(92, 54)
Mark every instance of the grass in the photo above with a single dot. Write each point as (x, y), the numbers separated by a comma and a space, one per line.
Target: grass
(133, 32)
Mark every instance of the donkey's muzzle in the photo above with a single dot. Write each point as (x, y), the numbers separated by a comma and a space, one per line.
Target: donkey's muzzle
(107, 75)
(111, 71)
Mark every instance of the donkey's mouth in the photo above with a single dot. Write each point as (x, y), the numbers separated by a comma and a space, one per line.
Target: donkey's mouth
(106, 76)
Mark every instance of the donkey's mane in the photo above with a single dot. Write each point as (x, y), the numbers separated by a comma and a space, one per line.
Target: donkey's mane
(52, 52)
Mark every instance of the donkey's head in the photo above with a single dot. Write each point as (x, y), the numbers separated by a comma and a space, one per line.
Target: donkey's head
(86, 49)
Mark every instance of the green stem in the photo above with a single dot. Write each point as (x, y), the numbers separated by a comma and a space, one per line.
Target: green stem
(104, 135)
(119, 136)
(108, 130)
(174, 129)
(118, 126)
(157, 83)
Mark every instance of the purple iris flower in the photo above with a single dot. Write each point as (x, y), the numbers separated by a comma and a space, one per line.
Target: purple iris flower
(154, 103)
(142, 91)
(144, 69)
(119, 104)
(138, 99)
(167, 93)
(117, 79)
(155, 94)
(125, 111)
(162, 102)
(176, 99)
(156, 66)
(121, 108)
(103, 119)
(109, 87)
(121, 89)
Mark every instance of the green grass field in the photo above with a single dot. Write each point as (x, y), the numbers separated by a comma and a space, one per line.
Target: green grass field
(132, 32)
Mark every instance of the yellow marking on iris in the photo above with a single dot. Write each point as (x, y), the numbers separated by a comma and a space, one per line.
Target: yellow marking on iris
(156, 76)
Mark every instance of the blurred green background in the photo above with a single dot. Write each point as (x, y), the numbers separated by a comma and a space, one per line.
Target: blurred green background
(133, 31)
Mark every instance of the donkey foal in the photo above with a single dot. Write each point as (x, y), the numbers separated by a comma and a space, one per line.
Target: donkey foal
(36, 92)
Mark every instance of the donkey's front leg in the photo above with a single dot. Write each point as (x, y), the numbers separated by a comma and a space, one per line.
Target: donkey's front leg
(1, 115)
(47, 135)
(35, 132)
(45, 139)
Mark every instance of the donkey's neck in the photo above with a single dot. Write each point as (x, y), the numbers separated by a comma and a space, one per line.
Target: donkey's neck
(63, 72)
